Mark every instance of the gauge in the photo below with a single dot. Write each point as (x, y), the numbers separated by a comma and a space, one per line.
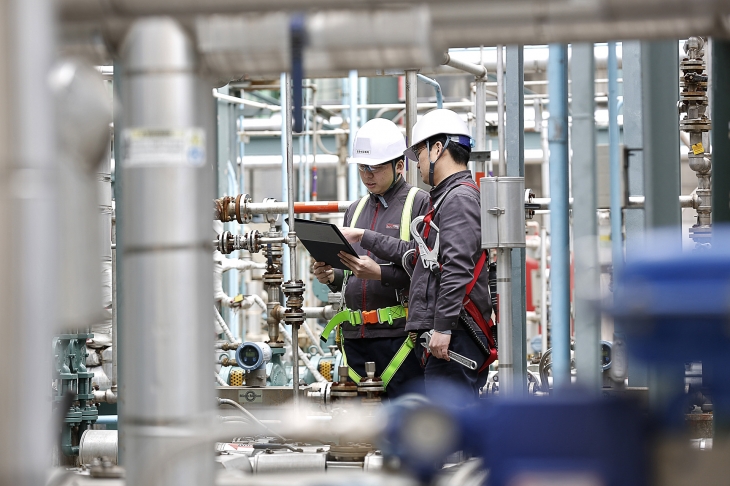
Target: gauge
(252, 356)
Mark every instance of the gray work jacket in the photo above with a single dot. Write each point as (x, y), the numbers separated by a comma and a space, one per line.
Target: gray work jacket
(435, 299)
(373, 294)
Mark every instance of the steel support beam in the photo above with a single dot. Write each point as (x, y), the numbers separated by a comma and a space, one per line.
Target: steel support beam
(515, 161)
(585, 223)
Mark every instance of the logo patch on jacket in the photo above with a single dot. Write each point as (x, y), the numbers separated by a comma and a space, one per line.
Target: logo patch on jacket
(392, 226)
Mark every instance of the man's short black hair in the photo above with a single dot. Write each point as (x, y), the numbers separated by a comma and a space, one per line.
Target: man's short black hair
(458, 152)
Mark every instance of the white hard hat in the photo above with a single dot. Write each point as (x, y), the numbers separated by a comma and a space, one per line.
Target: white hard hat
(435, 122)
(377, 141)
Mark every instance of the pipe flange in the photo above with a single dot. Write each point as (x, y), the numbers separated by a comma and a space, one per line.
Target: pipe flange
(272, 279)
(294, 316)
(695, 125)
(242, 216)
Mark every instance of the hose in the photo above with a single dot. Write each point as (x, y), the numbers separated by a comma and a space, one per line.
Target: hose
(224, 326)
(220, 380)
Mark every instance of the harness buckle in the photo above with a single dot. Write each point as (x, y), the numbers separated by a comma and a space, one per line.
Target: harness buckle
(370, 317)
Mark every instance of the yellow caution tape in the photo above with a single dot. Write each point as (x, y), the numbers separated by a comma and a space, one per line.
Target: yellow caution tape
(698, 149)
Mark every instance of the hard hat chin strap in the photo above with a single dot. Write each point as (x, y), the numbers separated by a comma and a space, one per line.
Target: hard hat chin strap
(432, 163)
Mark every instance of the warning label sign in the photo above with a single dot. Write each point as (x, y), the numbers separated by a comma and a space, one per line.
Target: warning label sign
(164, 147)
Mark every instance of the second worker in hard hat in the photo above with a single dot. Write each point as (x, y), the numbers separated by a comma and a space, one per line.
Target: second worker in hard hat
(445, 296)
(373, 324)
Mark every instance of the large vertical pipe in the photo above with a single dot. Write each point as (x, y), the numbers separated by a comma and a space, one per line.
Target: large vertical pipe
(28, 269)
(633, 218)
(285, 83)
(480, 114)
(515, 167)
(353, 180)
(660, 68)
(166, 262)
(413, 178)
(287, 116)
(585, 223)
(559, 216)
(504, 326)
(614, 161)
(500, 108)
(720, 136)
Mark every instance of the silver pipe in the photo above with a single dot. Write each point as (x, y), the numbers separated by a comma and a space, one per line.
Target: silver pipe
(242, 101)
(292, 233)
(167, 268)
(327, 312)
(411, 107)
(543, 290)
(98, 443)
(500, 110)
(504, 327)
(28, 165)
(225, 401)
(480, 115)
(475, 69)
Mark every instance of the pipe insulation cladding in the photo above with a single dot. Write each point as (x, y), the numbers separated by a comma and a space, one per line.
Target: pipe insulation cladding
(165, 264)
(335, 41)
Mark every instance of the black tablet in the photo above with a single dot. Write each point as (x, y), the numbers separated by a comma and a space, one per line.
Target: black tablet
(323, 241)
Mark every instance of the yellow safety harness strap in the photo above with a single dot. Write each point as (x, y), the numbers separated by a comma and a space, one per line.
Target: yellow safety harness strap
(358, 210)
(396, 362)
(390, 370)
(405, 217)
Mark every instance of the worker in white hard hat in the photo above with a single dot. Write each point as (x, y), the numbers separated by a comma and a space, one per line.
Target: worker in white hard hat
(449, 294)
(372, 326)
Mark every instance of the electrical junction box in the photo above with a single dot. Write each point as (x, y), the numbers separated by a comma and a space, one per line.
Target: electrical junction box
(503, 212)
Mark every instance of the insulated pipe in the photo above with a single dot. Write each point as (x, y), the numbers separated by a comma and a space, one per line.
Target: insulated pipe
(436, 86)
(585, 225)
(28, 270)
(167, 265)
(614, 162)
(475, 69)
(327, 312)
(559, 214)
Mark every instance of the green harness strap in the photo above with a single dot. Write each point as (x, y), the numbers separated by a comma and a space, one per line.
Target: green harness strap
(386, 314)
(390, 370)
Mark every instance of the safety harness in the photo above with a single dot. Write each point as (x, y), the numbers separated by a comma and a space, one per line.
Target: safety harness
(430, 261)
(377, 316)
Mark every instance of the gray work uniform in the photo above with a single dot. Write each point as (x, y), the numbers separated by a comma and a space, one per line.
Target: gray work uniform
(380, 342)
(369, 295)
(436, 299)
